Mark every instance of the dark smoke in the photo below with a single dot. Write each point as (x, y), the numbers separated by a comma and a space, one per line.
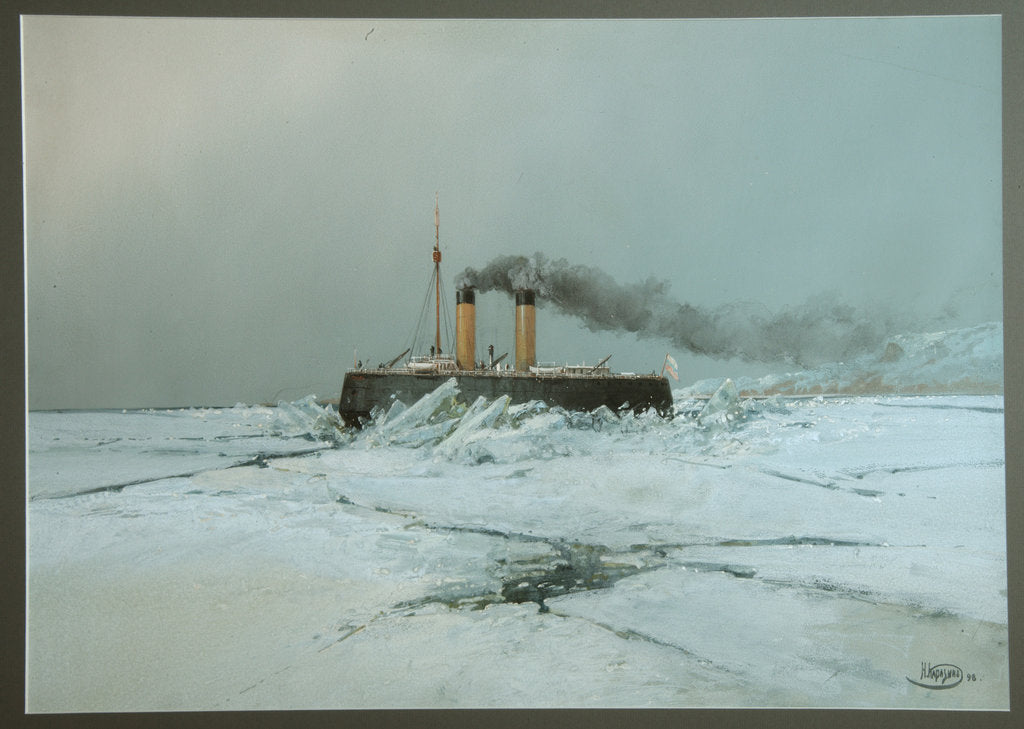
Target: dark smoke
(822, 330)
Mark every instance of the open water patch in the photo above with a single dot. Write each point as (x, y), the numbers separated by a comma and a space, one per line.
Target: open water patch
(557, 568)
(573, 567)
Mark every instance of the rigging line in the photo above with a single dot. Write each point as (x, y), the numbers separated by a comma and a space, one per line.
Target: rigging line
(423, 315)
(436, 311)
(447, 323)
(425, 331)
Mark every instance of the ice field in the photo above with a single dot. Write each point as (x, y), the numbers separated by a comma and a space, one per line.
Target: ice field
(776, 552)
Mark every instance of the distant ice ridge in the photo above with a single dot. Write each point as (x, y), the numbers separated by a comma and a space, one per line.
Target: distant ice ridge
(965, 361)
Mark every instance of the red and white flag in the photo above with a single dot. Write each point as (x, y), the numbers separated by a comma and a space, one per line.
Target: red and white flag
(671, 367)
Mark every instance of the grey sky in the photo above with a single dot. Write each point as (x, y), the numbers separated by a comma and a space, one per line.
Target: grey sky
(222, 210)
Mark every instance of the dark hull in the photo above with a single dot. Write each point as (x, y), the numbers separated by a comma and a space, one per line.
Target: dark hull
(364, 390)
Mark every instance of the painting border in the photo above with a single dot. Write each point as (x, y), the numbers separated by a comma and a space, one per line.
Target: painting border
(12, 392)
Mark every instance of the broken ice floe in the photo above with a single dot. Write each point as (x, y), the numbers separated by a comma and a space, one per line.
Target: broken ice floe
(490, 430)
(307, 418)
(497, 431)
(723, 407)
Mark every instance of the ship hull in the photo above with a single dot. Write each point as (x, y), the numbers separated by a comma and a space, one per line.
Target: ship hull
(364, 390)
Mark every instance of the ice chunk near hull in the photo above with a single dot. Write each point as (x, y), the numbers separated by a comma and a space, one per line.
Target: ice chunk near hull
(442, 398)
(424, 434)
(306, 417)
(474, 425)
(397, 408)
(723, 407)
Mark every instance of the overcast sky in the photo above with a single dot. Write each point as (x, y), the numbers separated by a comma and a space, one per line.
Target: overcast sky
(223, 211)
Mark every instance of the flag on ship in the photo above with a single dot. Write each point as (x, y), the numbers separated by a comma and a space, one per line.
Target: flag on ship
(671, 367)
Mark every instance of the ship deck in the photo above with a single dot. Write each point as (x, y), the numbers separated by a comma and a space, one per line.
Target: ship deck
(502, 374)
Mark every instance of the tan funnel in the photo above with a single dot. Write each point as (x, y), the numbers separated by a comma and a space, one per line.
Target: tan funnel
(526, 331)
(465, 329)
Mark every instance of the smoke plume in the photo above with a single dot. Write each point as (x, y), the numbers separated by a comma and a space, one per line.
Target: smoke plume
(821, 330)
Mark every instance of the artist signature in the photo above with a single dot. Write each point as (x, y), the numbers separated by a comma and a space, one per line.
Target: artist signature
(941, 676)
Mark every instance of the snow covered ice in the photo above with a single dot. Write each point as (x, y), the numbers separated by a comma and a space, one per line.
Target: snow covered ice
(771, 552)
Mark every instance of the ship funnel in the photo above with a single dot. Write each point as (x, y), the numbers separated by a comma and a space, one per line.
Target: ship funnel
(465, 328)
(526, 331)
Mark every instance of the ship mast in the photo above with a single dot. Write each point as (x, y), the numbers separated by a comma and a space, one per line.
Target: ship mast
(437, 275)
